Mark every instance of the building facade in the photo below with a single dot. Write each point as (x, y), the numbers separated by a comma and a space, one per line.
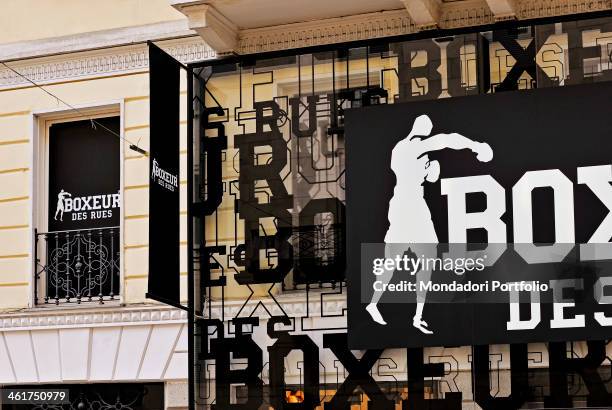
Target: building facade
(270, 249)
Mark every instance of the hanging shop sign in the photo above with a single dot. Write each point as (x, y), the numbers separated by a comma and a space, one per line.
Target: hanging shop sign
(524, 178)
(164, 212)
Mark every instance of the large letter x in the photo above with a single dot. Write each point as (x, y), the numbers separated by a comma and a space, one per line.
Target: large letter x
(358, 375)
(525, 59)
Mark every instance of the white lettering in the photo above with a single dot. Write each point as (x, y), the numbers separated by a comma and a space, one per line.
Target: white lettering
(459, 220)
(598, 179)
(563, 210)
(515, 322)
(559, 321)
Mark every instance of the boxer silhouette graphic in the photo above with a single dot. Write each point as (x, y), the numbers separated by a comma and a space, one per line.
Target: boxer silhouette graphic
(410, 225)
(60, 207)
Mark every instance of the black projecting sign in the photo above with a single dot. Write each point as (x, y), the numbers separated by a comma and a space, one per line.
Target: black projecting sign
(84, 175)
(164, 258)
(522, 177)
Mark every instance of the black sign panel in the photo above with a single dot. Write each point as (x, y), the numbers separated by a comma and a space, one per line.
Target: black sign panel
(531, 167)
(164, 267)
(84, 175)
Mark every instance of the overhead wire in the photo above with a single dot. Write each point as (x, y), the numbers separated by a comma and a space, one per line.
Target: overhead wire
(94, 123)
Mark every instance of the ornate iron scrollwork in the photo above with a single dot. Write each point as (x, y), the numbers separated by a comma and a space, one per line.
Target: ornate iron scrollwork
(78, 266)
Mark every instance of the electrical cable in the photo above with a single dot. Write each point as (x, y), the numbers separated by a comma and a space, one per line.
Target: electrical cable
(94, 123)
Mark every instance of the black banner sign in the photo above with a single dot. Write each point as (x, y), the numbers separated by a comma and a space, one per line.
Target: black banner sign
(164, 208)
(84, 175)
(532, 169)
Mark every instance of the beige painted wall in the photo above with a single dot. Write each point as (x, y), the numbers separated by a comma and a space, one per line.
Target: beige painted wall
(16, 194)
(23, 20)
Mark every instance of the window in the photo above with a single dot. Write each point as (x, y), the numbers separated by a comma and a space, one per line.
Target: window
(77, 247)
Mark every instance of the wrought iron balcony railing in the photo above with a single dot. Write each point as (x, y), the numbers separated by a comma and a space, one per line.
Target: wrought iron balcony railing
(80, 266)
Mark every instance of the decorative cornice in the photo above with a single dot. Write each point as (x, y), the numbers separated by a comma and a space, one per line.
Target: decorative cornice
(503, 10)
(105, 62)
(216, 30)
(465, 13)
(115, 316)
(95, 40)
(424, 13)
(456, 14)
(335, 30)
(530, 9)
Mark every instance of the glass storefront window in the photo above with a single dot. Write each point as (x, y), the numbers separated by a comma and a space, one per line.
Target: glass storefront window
(278, 232)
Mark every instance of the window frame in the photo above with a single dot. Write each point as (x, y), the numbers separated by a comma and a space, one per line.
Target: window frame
(39, 184)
